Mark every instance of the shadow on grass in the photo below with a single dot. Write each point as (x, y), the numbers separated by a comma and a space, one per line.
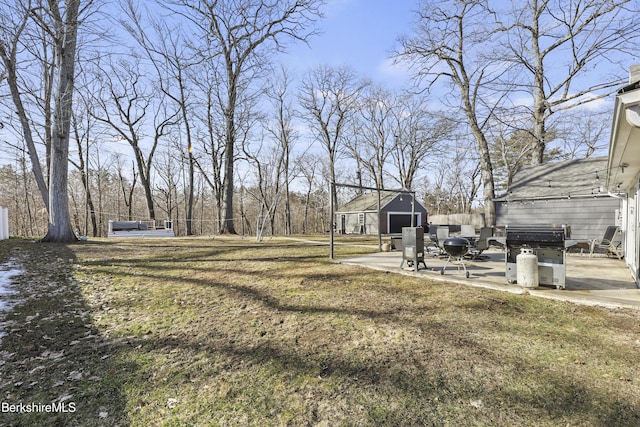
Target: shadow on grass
(56, 368)
(394, 390)
(200, 253)
(548, 395)
(436, 386)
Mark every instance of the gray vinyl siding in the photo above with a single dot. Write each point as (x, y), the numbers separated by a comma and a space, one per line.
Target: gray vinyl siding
(391, 204)
(588, 217)
(352, 223)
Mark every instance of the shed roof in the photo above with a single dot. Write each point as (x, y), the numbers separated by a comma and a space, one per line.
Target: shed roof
(369, 202)
(574, 178)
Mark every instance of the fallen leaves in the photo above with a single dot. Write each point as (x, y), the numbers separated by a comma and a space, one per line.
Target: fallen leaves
(51, 355)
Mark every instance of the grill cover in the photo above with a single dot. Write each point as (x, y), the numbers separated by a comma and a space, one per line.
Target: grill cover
(537, 235)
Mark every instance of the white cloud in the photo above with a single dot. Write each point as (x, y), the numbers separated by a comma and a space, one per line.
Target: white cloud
(394, 72)
(335, 7)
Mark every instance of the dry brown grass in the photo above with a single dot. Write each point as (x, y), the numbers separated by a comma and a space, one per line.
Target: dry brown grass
(232, 332)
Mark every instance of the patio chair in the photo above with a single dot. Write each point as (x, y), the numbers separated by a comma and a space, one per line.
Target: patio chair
(467, 230)
(609, 243)
(433, 239)
(482, 243)
(442, 234)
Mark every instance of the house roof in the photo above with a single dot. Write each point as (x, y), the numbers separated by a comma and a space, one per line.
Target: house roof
(369, 202)
(570, 178)
(624, 151)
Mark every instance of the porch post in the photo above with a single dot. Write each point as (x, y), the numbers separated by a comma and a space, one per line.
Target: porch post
(379, 225)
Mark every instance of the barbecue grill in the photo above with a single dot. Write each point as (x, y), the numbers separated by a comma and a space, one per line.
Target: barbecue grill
(456, 248)
(548, 244)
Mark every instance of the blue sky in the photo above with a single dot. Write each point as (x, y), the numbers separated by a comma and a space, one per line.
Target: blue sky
(360, 34)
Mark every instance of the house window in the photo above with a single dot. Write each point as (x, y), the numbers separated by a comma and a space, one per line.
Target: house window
(361, 218)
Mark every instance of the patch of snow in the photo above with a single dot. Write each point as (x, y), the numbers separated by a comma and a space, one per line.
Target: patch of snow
(8, 271)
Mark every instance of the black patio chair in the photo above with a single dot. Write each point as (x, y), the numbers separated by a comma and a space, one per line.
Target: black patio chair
(482, 243)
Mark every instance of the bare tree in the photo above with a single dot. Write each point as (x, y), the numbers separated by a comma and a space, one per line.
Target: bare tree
(19, 193)
(54, 25)
(172, 58)
(125, 187)
(328, 97)
(463, 172)
(81, 123)
(309, 171)
(209, 134)
(282, 131)
(123, 105)
(241, 32)
(168, 173)
(372, 136)
(16, 26)
(508, 155)
(418, 135)
(268, 169)
(559, 45)
(454, 181)
(450, 42)
(512, 150)
(585, 133)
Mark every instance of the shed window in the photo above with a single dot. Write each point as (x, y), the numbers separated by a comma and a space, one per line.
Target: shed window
(361, 218)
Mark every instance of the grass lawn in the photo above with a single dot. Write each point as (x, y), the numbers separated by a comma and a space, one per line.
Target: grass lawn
(222, 331)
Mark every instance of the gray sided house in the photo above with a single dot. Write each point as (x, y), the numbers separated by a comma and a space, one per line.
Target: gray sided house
(571, 192)
(360, 215)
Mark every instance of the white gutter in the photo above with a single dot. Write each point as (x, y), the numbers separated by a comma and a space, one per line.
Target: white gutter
(617, 195)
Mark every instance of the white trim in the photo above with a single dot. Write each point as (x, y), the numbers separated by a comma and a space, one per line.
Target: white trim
(623, 149)
(632, 243)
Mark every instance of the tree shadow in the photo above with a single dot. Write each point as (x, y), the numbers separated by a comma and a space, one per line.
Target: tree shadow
(53, 357)
(417, 374)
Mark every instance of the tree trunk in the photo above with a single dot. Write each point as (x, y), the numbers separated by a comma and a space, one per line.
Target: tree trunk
(94, 221)
(227, 225)
(9, 60)
(60, 228)
(287, 207)
(90, 205)
(539, 98)
(305, 220)
(190, 197)
(486, 167)
(539, 112)
(187, 128)
(227, 203)
(143, 173)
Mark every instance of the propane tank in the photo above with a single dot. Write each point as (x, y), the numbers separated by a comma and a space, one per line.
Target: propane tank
(527, 268)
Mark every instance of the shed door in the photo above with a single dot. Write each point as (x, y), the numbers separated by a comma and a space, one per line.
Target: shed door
(399, 220)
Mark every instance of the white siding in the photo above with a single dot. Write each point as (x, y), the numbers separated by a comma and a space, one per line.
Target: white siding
(630, 230)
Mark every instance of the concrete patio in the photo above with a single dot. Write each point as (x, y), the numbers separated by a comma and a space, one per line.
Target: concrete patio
(598, 281)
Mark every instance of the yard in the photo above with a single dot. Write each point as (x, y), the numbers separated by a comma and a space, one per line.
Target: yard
(222, 331)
